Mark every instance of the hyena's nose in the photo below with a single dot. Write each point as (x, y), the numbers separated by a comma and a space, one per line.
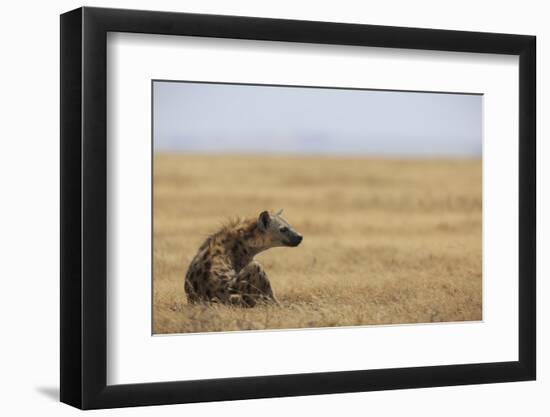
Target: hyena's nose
(294, 240)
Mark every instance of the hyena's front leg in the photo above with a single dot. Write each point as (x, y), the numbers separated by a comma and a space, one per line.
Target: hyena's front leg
(251, 286)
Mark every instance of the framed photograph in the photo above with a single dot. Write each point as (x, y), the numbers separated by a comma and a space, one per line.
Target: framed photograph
(256, 208)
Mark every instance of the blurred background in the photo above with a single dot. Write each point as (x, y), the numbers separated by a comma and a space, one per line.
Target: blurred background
(202, 117)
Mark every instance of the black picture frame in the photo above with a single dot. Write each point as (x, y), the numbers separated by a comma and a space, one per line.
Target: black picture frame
(84, 207)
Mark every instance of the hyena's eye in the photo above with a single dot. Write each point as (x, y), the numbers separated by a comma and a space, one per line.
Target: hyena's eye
(283, 229)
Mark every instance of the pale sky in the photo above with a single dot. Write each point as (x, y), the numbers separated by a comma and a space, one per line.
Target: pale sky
(197, 117)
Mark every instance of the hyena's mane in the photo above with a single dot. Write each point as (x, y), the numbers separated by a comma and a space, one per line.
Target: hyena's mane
(232, 229)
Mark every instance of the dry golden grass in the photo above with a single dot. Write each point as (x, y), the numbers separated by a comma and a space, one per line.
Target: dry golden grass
(385, 241)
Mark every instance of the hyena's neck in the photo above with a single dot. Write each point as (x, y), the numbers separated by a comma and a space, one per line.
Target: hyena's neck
(246, 243)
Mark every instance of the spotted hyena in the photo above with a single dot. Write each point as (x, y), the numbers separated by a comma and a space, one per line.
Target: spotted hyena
(224, 270)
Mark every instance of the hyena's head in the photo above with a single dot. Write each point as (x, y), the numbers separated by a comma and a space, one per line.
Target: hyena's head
(276, 231)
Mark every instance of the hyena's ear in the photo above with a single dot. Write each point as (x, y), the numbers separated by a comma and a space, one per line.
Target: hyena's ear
(264, 220)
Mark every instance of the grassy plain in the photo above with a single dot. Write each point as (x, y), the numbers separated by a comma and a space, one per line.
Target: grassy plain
(385, 241)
